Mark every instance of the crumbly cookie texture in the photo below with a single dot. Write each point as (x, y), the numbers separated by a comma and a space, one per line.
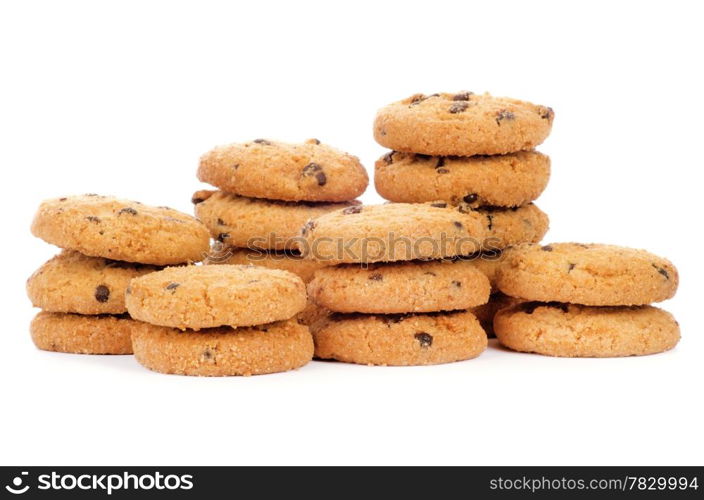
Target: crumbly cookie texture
(588, 274)
(224, 351)
(488, 263)
(196, 297)
(393, 232)
(399, 340)
(506, 227)
(485, 313)
(262, 168)
(103, 226)
(400, 287)
(291, 261)
(75, 283)
(312, 314)
(244, 222)
(84, 334)
(500, 180)
(462, 124)
(568, 330)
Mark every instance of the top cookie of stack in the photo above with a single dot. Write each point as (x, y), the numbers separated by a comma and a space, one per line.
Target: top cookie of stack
(441, 144)
(269, 189)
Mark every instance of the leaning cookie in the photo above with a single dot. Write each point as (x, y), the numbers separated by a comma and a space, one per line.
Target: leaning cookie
(399, 340)
(400, 287)
(75, 283)
(290, 261)
(196, 297)
(392, 232)
(568, 330)
(502, 180)
(588, 274)
(462, 124)
(84, 334)
(257, 223)
(277, 170)
(102, 226)
(224, 351)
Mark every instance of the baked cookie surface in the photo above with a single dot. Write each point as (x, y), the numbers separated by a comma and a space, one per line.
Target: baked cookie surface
(502, 180)
(588, 274)
(83, 334)
(505, 227)
(244, 222)
(196, 297)
(72, 282)
(400, 287)
(392, 232)
(224, 351)
(568, 330)
(290, 261)
(281, 171)
(103, 226)
(399, 340)
(462, 124)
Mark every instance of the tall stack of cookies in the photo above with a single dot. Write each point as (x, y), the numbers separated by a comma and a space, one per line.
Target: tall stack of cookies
(229, 320)
(579, 300)
(268, 190)
(471, 151)
(107, 242)
(396, 299)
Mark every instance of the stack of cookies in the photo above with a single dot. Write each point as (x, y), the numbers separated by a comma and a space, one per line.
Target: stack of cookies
(107, 242)
(581, 300)
(472, 151)
(396, 299)
(219, 321)
(269, 189)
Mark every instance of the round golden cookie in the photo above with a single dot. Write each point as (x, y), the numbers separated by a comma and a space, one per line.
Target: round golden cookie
(291, 261)
(503, 180)
(257, 223)
(400, 287)
(103, 226)
(198, 297)
(84, 334)
(588, 274)
(568, 330)
(506, 227)
(462, 124)
(485, 313)
(394, 340)
(392, 232)
(75, 283)
(277, 170)
(224, 351)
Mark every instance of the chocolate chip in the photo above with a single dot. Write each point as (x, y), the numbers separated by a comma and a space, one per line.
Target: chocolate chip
(458, 107)
(571, 266)
(235, 166)
(262, 141)
(308, 227)
(93, 218)
(63, 199)
(127, 210)
(439, 204)
(222, 237)
(546, 113)
(442, 171)
(128, 290)
(430, 273)
(462, 96)
(197, 199)
(417, 98)
(425, 339)
(172, 286)
(546, 248)
(458, 225)
(490, 218)
(315, 170)
(530, 307)
(102, 293)
(457, 284)
(662, 271)
(504, 114)
(376, 277)
(389, 157)
(220, 222)
(470, 198)
(441, 162)
(207, 354)
(313, 141)
(352, 210)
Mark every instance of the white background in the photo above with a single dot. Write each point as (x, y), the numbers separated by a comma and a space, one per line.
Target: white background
(121, 98)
